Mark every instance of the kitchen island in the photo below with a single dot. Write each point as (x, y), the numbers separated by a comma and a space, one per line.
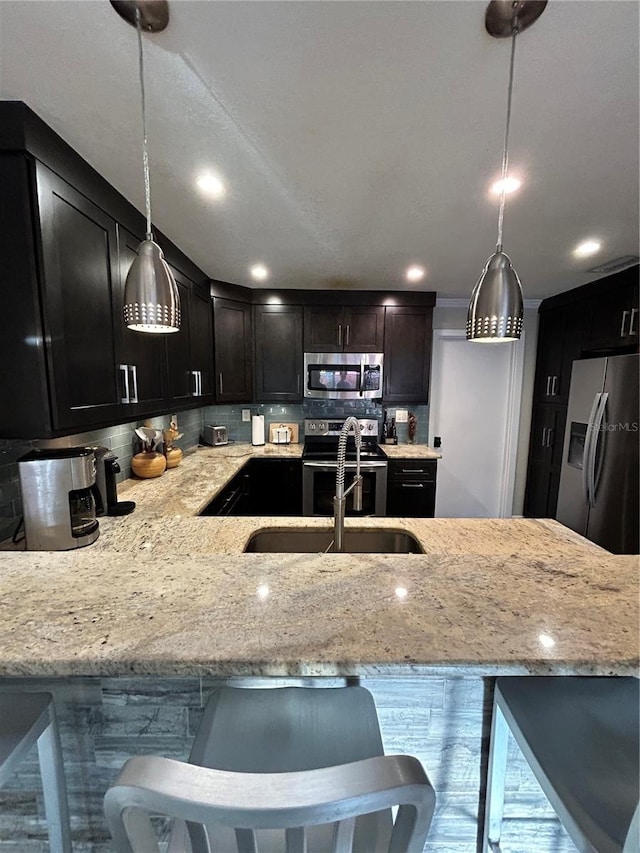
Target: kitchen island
(131, 633)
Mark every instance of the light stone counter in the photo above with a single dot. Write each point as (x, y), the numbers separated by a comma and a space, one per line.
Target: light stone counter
(163, 592)
(411, 451)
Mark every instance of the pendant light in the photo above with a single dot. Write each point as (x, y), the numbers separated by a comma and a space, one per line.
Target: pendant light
(151, 298)
(495, 309)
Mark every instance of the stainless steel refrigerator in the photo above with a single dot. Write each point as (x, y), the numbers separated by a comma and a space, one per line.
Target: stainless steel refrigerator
(599, 485)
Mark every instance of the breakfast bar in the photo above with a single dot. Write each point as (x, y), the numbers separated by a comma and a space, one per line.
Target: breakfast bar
(132, 633)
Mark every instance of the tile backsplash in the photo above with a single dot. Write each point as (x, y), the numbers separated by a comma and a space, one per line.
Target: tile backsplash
(124, 443)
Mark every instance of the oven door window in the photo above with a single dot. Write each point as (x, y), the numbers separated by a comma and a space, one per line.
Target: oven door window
(336, 377)
(324, 488)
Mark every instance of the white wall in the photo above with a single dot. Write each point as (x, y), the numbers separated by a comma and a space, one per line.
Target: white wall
(455, 317)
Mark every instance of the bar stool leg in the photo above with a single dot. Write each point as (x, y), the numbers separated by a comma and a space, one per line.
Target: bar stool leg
(496, 775)
(53, 786)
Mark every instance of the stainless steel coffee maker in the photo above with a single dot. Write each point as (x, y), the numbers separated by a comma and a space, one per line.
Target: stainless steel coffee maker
(58, 498)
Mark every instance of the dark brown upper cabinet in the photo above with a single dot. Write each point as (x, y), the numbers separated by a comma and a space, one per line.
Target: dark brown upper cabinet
(142, 374)
(407, 353)
(190, 350)
(560, 335)
(66, 245)
(233, 351)
(613, 317)
(352, 328)
(278, 352)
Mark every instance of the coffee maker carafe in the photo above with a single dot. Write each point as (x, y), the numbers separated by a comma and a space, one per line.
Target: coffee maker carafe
(58, 504)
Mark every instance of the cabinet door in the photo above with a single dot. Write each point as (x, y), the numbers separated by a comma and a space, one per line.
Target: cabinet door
(407, 354)
(179, 371)
(80, 273)
(141, 356)
(545, 459)
(613, 317)
(363, 328)
(411, 491)
(278, 352)
(201, 329)
(549, 358)
(232, 344)
(323, 328)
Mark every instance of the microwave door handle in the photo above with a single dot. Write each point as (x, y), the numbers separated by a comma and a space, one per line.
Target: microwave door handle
(593, 473)
(361, 376)
(586, 453)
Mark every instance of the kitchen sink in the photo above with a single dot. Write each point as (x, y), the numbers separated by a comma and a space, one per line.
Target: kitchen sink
(305, 540)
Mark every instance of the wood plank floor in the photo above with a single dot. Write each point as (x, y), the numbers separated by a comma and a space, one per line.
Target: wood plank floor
(439, 720)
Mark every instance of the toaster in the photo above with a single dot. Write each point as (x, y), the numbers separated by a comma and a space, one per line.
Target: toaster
(215, 435)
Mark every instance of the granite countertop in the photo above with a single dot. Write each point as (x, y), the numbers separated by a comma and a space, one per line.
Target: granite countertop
(164, 592)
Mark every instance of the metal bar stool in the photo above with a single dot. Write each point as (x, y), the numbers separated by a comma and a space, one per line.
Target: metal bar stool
(25, 719)
(293, 768)
(580, 737)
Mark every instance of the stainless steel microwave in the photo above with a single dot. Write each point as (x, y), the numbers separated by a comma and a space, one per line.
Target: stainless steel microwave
(343, 375)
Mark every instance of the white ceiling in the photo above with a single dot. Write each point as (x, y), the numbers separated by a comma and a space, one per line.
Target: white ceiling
(355, 138)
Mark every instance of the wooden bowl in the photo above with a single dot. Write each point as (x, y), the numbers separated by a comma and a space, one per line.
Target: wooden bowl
(148, 465)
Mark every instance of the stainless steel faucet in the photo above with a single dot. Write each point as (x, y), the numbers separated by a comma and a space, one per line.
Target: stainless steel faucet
(340, 499)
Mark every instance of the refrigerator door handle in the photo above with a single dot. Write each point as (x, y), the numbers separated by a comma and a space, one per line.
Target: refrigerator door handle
(586, 454)
(597, 429)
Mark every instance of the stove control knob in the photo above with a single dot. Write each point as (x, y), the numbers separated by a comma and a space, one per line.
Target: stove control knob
(322, 425)
(370, 427)
(312, 426)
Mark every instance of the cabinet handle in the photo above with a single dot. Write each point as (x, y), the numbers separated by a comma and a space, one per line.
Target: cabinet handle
(546, 393)
(194, 374)
(412, 470)
(339, 334)
(550, 437)
(622, 325)
(348, 335)
(632, 330)
(125, 371)
(134, 377)
(554, 383)
(220, 383)
(412, 485)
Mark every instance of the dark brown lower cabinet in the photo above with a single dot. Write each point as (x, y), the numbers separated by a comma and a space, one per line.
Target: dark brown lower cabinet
(545, 458)
(411, 488)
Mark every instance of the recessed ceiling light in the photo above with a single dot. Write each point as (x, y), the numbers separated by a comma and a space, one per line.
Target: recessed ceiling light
(259, 272)
(414, 273)
(510, 185)
(586, 248)
(211, 185)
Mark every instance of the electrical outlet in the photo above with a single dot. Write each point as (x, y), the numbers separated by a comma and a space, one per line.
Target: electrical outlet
(246, 415)
(402, 416)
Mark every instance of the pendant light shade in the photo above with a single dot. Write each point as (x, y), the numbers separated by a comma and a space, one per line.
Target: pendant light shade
(151, 299)
(496, 306)
(495, 310)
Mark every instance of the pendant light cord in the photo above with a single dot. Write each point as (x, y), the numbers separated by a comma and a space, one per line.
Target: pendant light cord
(505, 151)
(145, 153)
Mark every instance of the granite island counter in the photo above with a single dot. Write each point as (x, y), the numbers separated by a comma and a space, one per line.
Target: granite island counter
(131, 633)
(165, 592)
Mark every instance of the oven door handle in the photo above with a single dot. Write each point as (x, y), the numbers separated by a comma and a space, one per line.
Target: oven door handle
(350, 466)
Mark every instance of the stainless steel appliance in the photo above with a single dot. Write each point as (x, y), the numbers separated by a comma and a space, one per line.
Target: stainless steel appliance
(106, 496)
(598, 494)
(343, 375)
(58, 498)
(320, 463)
(215, 436)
